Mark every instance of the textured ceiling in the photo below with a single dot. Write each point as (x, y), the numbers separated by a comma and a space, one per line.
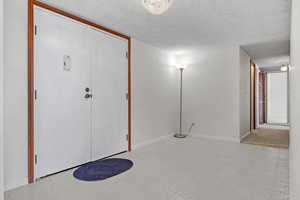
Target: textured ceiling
(191, 23)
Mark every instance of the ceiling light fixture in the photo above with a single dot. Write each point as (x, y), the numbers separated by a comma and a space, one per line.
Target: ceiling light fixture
(284, 68)
(157, 7)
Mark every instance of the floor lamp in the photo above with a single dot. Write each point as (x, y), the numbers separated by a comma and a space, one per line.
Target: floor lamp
(180, 134)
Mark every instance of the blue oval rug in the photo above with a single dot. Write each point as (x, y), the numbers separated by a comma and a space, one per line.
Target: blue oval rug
(102, 169)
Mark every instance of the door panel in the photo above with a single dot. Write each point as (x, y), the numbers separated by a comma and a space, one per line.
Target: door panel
(62, 114)
(109, 107)
(277, 98)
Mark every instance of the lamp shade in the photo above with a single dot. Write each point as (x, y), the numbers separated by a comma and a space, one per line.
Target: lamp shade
(284, 68)
(157, 7)
(181, 66)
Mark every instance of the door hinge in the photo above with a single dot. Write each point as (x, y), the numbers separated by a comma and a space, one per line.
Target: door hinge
(126, 54)
(127, 96)
(127, 137)
(35, 159)
(35, 29)
(35, 94)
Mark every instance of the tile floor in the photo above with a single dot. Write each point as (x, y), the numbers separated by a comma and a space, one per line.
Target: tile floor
(173, 169)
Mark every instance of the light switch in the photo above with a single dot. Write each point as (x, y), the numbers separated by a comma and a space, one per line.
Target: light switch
(67, 63)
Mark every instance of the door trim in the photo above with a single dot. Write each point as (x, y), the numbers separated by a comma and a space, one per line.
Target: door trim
(252, 95)
(31, 4)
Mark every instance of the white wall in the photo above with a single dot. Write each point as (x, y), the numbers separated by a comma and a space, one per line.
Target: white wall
(277, 97)
(1, 99)
(294, 103)
(244, 93)
(15, 93)
(211, 93)
(155, 94)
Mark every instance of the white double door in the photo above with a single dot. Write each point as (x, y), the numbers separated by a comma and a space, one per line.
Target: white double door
(80, 93)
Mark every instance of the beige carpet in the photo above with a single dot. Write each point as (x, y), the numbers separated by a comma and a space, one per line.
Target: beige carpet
(268, 137)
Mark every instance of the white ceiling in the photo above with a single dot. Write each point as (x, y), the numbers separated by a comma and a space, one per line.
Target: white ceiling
(192, 23)
(269, 54)
(273, 61)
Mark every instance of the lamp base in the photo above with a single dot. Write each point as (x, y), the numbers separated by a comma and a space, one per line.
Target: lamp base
(180, 135)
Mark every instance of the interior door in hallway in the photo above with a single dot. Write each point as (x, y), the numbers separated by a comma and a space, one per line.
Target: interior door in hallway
(62, 109)
(277, 98)
(262, 98)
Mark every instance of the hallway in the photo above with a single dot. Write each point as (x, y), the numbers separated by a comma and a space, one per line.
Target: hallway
(278, 138)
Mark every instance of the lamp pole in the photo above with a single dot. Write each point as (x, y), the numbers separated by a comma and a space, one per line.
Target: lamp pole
(180, 134)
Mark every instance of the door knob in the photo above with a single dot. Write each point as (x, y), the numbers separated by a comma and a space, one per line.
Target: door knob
(88, 96)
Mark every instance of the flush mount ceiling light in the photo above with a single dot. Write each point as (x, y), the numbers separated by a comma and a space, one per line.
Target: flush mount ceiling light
(157, 7)
(284, 68)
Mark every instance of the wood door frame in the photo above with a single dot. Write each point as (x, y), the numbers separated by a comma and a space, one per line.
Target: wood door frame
(265, 98)
(31, 4)
(252, 95)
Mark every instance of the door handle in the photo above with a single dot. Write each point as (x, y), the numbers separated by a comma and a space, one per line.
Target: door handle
(88, 96)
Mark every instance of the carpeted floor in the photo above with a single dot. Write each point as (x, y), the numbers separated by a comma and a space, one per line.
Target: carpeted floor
(174, 169)
(278, 138)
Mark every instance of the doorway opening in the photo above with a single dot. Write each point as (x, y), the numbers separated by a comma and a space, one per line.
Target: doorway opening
(269, 106)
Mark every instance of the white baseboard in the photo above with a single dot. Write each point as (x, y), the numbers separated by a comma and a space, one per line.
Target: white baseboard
(246, 135)
(152, 141)
(227, 139)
